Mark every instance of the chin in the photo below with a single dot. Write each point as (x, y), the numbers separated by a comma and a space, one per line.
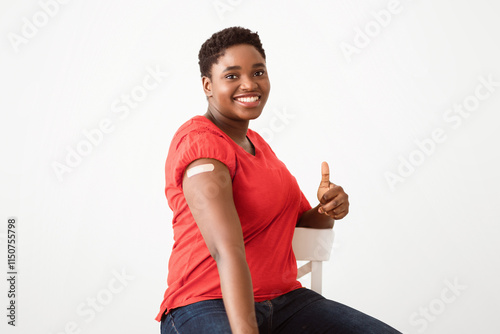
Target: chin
(252, 114)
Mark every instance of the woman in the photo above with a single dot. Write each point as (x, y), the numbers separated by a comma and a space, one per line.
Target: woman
(235, 207)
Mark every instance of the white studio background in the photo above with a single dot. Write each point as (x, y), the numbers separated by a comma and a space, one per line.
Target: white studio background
(401, 98)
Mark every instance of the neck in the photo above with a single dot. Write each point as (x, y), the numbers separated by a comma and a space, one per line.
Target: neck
(236, 130)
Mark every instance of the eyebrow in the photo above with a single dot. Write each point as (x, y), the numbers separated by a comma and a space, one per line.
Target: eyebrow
(231, 68)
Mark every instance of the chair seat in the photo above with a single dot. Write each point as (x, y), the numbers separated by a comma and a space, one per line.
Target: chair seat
(315, 246)
(312, 244)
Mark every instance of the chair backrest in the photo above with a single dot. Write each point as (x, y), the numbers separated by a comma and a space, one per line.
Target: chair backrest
(313, 245)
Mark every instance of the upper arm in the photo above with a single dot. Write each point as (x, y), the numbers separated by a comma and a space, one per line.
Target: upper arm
(209, 196)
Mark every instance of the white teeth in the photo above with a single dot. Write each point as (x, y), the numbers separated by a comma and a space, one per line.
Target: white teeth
(248, 99)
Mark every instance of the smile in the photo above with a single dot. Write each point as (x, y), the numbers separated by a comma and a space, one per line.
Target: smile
(247, 99)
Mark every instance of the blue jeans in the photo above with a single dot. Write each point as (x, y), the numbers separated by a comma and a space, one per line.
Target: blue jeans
(299, 311)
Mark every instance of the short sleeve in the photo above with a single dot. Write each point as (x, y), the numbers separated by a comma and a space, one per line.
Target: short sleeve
(303, 206)
(197, 144)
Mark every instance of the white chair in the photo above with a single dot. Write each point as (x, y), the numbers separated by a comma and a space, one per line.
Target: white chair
(313, 245)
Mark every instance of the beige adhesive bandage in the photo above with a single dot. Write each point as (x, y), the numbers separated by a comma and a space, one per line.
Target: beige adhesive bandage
(200, 169)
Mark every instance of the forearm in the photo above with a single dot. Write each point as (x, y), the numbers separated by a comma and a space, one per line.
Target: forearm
(237, 292)
(313, 219)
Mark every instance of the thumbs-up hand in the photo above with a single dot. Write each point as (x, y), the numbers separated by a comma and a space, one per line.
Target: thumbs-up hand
(332, 198)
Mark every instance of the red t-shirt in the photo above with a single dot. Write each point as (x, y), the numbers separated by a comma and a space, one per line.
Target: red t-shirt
(268, 201)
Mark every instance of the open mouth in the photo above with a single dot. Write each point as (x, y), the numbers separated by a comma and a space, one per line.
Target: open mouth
(247, 99)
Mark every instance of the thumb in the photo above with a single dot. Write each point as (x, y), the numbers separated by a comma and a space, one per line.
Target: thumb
(325, 175)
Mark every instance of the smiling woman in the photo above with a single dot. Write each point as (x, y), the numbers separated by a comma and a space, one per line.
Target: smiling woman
(237, 88)
(235, 208)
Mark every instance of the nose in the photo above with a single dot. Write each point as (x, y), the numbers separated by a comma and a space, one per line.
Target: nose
(248, 83)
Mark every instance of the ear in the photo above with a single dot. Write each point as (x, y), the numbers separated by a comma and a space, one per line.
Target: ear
(207, 86)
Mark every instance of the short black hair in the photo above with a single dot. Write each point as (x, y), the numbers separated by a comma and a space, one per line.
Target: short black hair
(215, 46)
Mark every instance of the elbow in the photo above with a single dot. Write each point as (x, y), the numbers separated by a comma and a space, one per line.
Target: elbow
(221, 253)
(214, 254)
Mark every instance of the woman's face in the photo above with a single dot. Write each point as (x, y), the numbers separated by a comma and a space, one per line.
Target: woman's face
(239, 87)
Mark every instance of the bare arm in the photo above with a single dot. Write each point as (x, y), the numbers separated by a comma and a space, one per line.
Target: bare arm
(210, 199)
(312, 218)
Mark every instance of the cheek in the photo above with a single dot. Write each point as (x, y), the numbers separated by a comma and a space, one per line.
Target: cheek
(224, 93)
(266, 85)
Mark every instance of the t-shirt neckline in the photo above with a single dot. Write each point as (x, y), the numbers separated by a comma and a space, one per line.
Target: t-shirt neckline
(248, 135)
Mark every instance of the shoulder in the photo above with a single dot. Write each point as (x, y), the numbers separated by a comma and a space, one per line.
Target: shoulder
(199, 131)
(196, 139)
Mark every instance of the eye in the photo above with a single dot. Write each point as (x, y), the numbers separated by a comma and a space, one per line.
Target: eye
(259, 73)
(230, 76)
